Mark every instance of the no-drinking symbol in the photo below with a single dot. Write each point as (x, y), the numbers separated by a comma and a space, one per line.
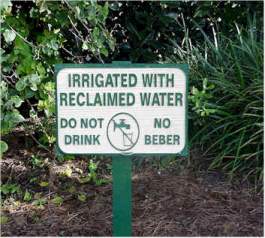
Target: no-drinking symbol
(123, 131)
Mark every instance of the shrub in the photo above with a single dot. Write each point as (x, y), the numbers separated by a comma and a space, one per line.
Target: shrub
(226, 99)
(144, 29)
(226, 73)
(36, 35)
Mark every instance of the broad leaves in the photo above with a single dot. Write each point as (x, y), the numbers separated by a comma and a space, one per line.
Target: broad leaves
(32, 81)
(35, 37)
(9, 35)
(3, 147)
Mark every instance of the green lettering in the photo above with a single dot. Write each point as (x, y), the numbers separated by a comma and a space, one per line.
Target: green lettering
(67, 140)
(71, 99)
(76, 80)
(178, 98)
(147, 139)
(63, 99)
(78, 100)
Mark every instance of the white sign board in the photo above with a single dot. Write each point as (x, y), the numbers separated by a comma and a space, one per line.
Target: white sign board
(121, 109)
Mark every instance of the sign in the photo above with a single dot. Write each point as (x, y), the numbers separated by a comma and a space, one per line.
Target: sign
(122, 108)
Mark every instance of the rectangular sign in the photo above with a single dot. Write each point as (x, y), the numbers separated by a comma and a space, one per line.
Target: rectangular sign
(122, 108)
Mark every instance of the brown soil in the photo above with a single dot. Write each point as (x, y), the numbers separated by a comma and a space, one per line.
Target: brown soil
(171, 205)
(165, 203)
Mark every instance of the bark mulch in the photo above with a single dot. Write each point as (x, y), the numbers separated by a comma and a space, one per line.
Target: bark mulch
(164, 204)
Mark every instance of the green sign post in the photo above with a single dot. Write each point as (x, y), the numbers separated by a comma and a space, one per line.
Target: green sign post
(122, 109)
(122, 195)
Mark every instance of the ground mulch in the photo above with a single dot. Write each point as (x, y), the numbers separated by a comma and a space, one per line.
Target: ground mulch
(166, 202)
(163, 205)
(194, 206)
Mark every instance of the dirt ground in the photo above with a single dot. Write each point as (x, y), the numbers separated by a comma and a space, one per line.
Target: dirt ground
(165, 203)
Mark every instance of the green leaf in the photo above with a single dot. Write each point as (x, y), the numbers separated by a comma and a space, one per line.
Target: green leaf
(40, 202)
(85, 46)
(21, 85)
(81, 197)
(111, 43)
(95, 33)
(101, 181)
(33, 180)
(57, 200)
(16, 100)
(9, 188)
(41, 70)
(23, 57)
(9, 35)
(105, 10)
(71, 189)
(3, 147)
(85, 179)
(3, 57)
(5, 4)
(104, 51)
(44, 184)
(34, 80)
(92, 166)
(27, 196)
(115, 6)
(3, 220)
(14, 188)
(67, 172)
(14, 117)
(34, 87)
(4, 189)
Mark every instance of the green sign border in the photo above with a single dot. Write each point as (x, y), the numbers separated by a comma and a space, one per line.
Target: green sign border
(126, 64)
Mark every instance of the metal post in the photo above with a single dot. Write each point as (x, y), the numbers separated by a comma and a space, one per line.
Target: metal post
(121, 196)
